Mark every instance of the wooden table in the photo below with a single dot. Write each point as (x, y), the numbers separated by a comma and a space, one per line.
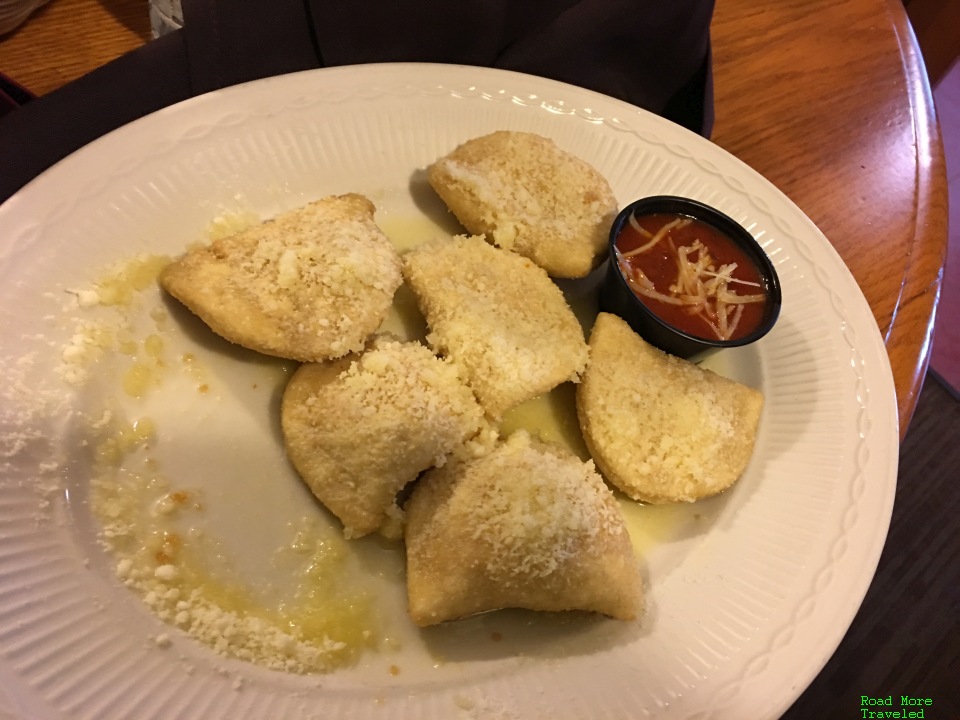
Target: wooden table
(828, 99)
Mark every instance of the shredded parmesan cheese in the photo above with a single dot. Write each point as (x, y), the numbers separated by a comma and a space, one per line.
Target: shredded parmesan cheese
(700, 286)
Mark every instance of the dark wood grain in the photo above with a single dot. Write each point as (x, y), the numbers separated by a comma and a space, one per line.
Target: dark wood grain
(65, 39)
(829, 101)
(937, 26)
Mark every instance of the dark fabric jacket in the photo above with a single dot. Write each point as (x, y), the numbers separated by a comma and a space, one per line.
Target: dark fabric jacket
(652, 53)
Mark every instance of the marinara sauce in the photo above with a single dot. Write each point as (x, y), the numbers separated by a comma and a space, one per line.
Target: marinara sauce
(660, 265)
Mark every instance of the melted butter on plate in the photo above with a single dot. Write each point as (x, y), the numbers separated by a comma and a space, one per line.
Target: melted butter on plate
(552, 417)
(208, 523)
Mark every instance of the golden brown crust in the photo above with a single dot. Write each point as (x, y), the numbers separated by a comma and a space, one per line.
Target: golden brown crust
(499, 317)
(526, 525)
(660, 428)
(360, 428)
(309, 285)
(527, 195)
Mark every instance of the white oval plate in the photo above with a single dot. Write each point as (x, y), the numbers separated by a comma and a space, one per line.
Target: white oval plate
(742, 611)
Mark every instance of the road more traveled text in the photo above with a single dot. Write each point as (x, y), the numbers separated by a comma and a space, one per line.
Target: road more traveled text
(909, 707)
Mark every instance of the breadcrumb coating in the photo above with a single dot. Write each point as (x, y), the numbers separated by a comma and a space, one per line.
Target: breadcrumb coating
(660, 428)
(499, 317)
(526, 525)
(360, 428)
(529, 196)
(308, 285)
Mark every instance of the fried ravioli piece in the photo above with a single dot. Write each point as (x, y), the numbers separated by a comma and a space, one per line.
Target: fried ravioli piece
(360, 428)
(531, 197)
(660, 428)
(310, 284)
(526, 525)
(498, 316)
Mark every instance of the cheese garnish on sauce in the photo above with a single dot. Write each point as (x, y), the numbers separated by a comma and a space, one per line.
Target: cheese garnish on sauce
(691, 275)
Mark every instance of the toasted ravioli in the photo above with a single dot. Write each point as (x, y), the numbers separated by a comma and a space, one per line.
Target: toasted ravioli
(498, 316)
(360, 428)
(526, 525)
(660, 428)
(309, 285)
(529, 196)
